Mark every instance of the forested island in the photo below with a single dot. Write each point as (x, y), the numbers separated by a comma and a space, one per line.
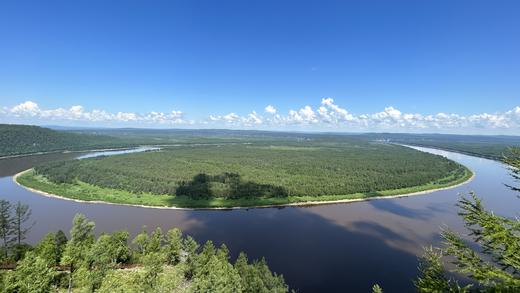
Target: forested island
(245, 175)
(151, 262)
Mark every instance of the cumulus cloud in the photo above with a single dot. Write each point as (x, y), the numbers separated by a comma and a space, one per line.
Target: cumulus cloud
(332, 113)
(327, 115)
(270, 109)
(30, 109)
(235, 120)
(26, 108)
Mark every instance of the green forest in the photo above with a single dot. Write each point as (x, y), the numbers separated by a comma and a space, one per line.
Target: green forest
(195, 175)
(26, 139)
(150, 262)
(493, 147)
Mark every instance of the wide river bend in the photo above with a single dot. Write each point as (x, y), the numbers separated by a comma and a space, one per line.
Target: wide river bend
(328, 248)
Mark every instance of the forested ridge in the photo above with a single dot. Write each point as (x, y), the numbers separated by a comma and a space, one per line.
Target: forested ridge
(235, 171)
(488, 146)
(26, 139)
(150, 262)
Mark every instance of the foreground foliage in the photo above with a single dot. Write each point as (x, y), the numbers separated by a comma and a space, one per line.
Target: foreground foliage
(491, 262)
(15, 224)
(235, 172)
(155, 262)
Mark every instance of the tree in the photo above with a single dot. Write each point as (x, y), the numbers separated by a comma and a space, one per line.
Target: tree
(153, 266)
(217, 275)
(190, 247)
(102, 257)
(494, 265)
(6, 227)
(141, 242)
(51, 247)
(251, 281)
(48, 250)
(432, 276)
(118, 247)
(208, 251)
(257, 277)
(22, 214)
(155, 241)
(32, 275)
(513, 160)
(61, 238)
(76, 250)
(173, 246)
(272, 282)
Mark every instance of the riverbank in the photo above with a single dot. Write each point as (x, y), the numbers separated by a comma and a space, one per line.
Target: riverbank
(86, 193)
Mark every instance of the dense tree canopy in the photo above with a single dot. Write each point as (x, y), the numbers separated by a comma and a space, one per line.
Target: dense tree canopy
(234, 171)
(25, 139)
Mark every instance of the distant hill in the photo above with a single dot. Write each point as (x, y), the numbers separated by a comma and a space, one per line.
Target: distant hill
(26, 139)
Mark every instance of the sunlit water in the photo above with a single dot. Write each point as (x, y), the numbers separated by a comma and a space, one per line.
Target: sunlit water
(328, 248)
(118, 152)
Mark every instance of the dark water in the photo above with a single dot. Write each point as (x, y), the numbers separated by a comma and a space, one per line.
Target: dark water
(329, 248)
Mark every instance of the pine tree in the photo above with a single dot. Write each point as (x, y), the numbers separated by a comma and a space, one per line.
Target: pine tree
(6, 226)
(32, 275)
(494, 265)
(190, 247)
(173, 246)
(76, 250)
(22, 214)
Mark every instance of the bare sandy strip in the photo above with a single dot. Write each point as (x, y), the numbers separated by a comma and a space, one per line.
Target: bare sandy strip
(303, 203)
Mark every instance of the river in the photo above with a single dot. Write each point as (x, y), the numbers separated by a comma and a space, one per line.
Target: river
(327, 248)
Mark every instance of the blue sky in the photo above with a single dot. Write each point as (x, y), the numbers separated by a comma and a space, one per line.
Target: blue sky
(206, 60)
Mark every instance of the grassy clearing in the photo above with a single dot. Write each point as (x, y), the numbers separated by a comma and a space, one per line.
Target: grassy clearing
(87, 192)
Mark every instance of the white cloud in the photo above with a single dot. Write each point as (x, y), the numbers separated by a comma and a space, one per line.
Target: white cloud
(303, 116)
(30, 109)
(327, 115)
(233, 119)
(270, 109)
(26, 108)
(336, 113)
(254, 118)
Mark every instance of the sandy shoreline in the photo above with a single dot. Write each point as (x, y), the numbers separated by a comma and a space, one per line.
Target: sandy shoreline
(294, 204)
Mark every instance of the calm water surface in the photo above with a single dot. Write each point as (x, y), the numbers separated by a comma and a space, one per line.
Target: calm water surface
(328, 248)
(118, 152)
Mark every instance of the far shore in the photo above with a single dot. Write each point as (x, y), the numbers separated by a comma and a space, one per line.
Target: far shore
(293, 204)
(106, 150)
(66, 152)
